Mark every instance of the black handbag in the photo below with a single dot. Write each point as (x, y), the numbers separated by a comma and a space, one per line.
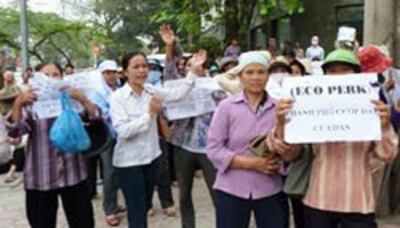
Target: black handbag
(100, 137)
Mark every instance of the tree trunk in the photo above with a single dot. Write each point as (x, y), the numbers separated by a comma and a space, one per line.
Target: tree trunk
(232, 23)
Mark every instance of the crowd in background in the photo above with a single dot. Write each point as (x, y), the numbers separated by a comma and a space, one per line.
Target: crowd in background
(140, 150)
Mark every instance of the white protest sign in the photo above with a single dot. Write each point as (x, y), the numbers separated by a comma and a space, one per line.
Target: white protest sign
(81, 81)
(274, 85)
(208, 83)
(199, 101)
(332, 108)
(48, 91)
(346, 34)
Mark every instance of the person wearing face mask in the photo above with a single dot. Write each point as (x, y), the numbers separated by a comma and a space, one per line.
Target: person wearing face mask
(49, 173)
(189, 136)
(315, 51)
(155, 73)
(163, 184)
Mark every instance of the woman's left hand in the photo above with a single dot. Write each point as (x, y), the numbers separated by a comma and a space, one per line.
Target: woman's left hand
(286, 151)
(383, 110)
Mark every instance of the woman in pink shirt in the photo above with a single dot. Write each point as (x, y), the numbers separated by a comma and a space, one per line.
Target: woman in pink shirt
(246, 183)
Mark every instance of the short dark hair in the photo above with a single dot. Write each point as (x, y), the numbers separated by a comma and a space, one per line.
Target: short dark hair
(128, 56)
(40, 66)
(300, 65)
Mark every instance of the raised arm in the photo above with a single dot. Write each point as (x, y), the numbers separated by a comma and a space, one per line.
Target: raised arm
(174, 52)
(173, 94)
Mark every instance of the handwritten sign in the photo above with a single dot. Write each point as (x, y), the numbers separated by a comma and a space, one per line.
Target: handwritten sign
(48, 91)
(332, 108)
(199, 101)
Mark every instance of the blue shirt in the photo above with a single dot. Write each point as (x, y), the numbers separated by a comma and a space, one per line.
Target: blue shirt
(102, 99)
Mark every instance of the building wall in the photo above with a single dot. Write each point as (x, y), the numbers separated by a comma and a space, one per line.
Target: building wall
(323, 18)
(382, 25)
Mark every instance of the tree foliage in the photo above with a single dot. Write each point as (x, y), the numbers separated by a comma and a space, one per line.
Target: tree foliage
(51, 38)
(125, 21)
(235, 15)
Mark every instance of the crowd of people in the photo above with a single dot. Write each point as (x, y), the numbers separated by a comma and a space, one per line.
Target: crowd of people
(140, 151)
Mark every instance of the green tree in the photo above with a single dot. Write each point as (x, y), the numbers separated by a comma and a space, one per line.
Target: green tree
(51, 38)
(125, 21)
(235, 15)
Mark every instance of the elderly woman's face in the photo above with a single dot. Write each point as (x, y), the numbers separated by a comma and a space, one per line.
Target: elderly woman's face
(254, 78)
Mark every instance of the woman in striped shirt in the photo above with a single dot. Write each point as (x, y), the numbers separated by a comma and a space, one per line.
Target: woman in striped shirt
(49, 173)
(340, 192)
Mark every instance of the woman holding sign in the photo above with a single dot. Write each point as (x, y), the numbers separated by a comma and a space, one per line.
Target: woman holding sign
(340, 191)
(49, 173)
(134, 110)
(246, 182)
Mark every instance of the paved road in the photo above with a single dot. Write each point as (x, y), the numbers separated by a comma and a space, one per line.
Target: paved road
(12, 210)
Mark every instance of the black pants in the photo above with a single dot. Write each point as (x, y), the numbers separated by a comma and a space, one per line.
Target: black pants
(318, 219)
(164, 178)
(298, 212)
(235, 212)
(19, 158)
(186, 164)
(92, 164)
(41, 207)
(137, 184)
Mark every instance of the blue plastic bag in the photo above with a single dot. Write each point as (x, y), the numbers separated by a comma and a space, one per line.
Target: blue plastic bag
(68, 133)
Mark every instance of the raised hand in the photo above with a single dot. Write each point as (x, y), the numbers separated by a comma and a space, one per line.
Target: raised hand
(198, 61)
(167, 35)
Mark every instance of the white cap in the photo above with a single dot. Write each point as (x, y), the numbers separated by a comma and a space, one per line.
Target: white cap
(109, 65)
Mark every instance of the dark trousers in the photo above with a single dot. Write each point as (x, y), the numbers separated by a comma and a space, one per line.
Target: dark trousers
(164, 178)
(235, 212)
(110, 182)
(19, 158)
(137, 185)
(41, 207)
(186, 164)
(92, 164)
(326, 219)
(298, 212)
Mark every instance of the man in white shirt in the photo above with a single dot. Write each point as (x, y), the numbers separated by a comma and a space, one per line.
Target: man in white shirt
(315, 52)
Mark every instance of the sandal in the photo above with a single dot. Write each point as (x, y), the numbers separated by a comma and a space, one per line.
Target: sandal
(113, 220)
